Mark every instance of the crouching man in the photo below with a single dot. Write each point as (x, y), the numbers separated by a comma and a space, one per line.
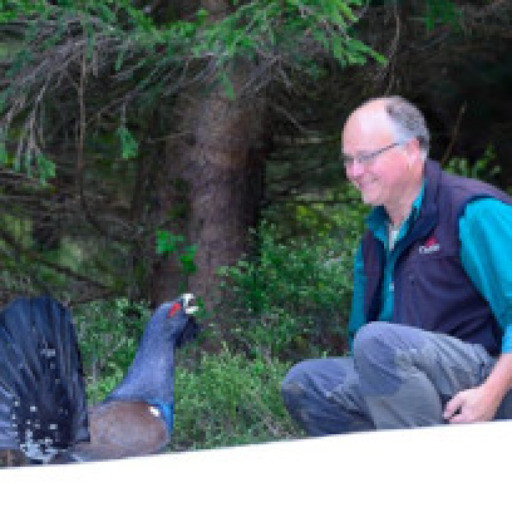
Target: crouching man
(431, 320)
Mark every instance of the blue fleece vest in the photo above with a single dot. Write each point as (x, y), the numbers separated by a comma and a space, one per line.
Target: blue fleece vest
(432, 290)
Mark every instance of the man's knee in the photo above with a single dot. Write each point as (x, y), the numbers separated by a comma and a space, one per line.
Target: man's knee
(375, 358)
(299, 397)
(293, 386)
(373, 342)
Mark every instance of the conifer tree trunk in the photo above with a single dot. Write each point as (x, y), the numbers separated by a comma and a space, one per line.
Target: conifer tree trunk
(219, 154)
(225, 178)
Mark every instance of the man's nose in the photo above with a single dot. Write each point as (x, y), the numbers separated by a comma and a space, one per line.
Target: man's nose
(355, 169)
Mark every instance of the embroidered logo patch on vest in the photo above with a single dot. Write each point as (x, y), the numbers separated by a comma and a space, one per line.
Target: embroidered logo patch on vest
(430, 246)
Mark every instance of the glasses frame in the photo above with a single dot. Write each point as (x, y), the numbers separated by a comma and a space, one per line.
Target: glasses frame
(364, 158)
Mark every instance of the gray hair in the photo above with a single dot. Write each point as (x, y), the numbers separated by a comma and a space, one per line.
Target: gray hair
(408, 122)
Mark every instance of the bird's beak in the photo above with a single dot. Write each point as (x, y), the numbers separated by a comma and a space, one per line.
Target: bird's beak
(188, 301)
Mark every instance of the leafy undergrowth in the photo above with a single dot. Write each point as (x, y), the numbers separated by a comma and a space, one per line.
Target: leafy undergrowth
(227, 400)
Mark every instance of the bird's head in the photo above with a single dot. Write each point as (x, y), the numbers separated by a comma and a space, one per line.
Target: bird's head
(176, 319)
(150, 376)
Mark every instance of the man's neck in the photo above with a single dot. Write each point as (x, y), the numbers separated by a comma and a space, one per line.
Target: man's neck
(399, 213)
(400, 209)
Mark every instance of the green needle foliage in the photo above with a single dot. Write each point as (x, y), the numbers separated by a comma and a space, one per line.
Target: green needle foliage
(121, 60)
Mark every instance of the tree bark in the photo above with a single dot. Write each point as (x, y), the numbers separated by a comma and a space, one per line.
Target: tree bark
(226, 185)
(220, 154)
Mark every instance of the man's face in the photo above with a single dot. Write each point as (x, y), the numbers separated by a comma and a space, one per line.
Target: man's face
(383, 178)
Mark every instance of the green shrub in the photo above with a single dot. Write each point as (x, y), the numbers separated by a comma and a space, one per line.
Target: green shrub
(108, 334)
(485, 168)
(228, 400)
(293, 299)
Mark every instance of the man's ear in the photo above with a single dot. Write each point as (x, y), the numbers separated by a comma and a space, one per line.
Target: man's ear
(413, 151)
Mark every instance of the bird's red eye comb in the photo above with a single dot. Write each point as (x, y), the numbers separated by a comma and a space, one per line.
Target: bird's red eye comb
(175, 308)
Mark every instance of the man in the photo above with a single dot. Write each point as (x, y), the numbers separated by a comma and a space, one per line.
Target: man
(431, 321)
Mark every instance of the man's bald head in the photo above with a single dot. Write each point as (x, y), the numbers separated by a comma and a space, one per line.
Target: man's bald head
(400, 116)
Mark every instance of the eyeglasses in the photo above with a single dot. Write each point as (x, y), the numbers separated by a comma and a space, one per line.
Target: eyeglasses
(365, 157)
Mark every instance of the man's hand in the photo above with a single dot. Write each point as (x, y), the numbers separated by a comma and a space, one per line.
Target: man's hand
(481, 403)
(471, 405)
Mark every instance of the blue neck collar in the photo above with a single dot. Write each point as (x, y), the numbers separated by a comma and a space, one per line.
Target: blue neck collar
(167, 412)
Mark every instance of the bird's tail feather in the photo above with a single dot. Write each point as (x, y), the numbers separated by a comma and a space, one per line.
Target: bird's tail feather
(43, 407)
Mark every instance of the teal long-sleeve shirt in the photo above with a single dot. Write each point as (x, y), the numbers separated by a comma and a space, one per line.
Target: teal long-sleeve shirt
(485, 233)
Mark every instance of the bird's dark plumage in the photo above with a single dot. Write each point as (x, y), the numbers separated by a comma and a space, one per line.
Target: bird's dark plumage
(43, 408)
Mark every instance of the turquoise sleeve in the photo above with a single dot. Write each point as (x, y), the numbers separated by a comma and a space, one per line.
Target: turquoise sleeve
(357, 316)
(485, 232)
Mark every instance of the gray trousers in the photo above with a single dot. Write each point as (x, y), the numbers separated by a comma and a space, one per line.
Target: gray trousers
(398, 377)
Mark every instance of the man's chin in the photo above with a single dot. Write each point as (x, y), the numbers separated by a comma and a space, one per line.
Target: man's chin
(370, 200)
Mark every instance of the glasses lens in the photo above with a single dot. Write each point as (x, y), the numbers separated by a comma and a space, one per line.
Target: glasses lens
(365, 157)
